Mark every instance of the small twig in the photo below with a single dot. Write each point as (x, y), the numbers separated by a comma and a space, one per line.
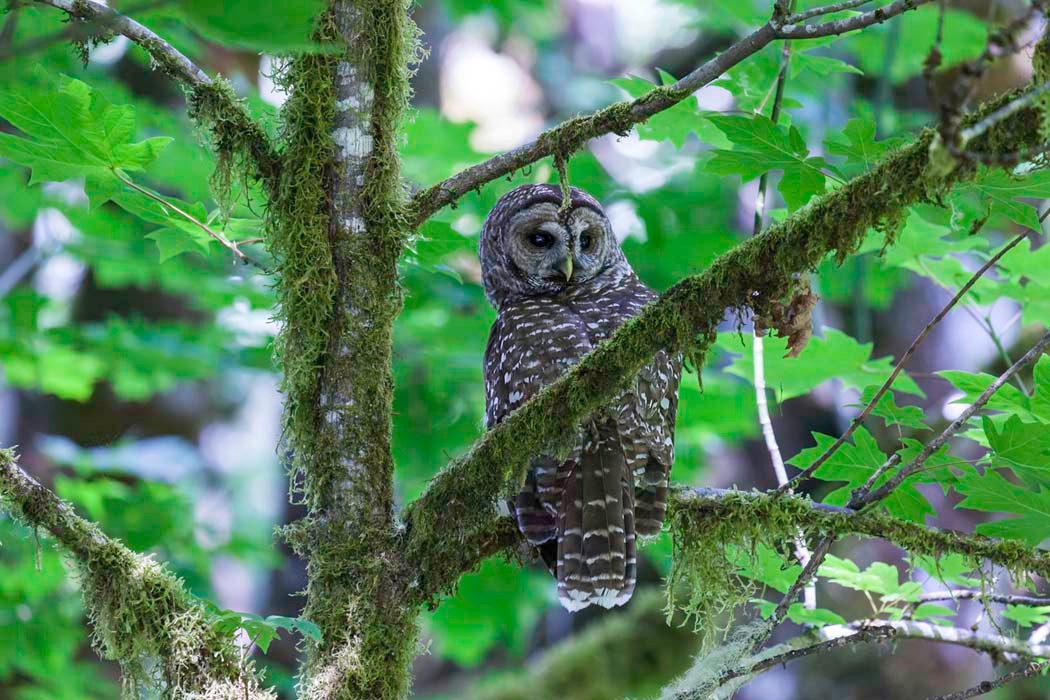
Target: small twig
(218, 236)
(825, 10)
(899, 367)
(983, 687)
(878, 494)
(841, 26)
(970, 594)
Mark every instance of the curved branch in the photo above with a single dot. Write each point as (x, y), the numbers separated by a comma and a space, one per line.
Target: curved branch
(139, 609)
(210, 100)
(696, 505)
(685, 318)
(621, 117)
(841, 26)
(1030, 669)
(867, 631)
(174, 62)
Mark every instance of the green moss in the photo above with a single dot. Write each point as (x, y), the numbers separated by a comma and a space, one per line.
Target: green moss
(82, 14)
(703, 582)
(337, 233)
(1041, 70)
(141, 615)
(242, 147)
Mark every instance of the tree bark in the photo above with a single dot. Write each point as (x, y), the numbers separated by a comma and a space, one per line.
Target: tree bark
(355, 589)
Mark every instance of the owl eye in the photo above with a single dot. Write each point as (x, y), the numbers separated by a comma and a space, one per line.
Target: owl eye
(541, 239)
(585, 241)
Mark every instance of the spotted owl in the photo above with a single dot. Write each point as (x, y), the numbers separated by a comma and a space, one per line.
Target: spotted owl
(561, 285)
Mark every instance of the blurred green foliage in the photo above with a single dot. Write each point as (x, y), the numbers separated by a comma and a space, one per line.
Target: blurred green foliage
(98, 125)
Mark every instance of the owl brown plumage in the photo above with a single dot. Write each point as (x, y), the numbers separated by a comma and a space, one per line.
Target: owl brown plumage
(561, 285)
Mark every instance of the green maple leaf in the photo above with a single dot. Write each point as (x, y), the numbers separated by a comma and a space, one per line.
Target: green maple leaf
(72, 131)
(282, 27)
(1008, 398)
(992, 493)
(888, 410)
(947, 568)
(674, 124)
(996, 192)
(833, 356)
(761, 146)
(854, 463)
(765, 565)
(1024, 447)
(926, 239)
(859, 146)
(800, 614)
(1027, 615)
(1040, 399)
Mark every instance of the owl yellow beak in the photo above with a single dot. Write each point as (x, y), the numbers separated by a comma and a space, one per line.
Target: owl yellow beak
(566, 267)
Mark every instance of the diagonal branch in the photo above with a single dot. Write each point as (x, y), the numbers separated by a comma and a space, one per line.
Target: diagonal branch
(174, 62)
(1027, 671)
(621, 117)
(1037, 350)
(140, 611)
(899, 367)
(758, 271)
(868, 631)
(210, 100)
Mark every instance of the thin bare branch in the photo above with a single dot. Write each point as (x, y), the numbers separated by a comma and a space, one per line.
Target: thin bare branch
(973, 594)
(983, 687)
(958, 424)
(218, 236)
(849, 24)
(899, 367)
(621, 117)
(825, 10)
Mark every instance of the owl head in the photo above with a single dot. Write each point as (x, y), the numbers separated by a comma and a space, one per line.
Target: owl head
(530, 246)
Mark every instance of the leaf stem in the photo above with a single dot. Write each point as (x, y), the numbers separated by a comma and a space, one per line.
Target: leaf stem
(218, 236)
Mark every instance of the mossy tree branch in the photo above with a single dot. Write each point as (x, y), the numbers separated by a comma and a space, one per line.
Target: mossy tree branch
(757, 272)
(693, 510)
(834, 637)
(212, 102)
(140, 611)
(620, 118)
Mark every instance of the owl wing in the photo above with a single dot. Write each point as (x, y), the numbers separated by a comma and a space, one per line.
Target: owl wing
(648, 423)
(647, 414)
(532, 343)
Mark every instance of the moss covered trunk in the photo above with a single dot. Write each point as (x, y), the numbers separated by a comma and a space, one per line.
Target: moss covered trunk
(340, 226)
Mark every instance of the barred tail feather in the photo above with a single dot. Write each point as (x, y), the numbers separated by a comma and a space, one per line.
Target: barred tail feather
(596, 557)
